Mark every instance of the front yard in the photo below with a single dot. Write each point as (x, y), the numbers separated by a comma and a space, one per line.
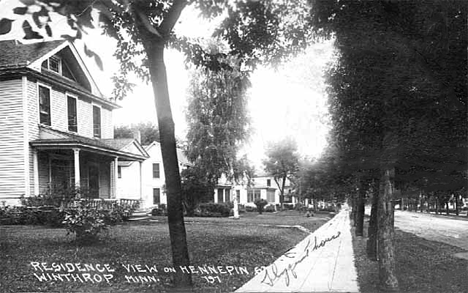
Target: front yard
(136, 256)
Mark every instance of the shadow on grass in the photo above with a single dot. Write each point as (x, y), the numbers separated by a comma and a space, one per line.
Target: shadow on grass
(422, 266)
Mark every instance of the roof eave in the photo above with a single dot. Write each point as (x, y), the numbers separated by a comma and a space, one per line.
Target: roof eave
(94, 149)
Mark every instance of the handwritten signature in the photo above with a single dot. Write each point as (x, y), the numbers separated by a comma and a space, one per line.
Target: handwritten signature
(272, 274)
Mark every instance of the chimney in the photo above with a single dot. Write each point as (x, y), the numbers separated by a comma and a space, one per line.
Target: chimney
(137, 135)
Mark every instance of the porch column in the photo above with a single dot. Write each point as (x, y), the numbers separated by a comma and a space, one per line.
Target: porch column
(35, 172)
(116, 175)
(77, 167)
(141, 180)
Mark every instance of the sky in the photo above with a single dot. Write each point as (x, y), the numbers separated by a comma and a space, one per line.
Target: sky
(287, 101)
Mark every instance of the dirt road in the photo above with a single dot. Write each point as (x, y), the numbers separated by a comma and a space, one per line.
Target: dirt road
(446, 230)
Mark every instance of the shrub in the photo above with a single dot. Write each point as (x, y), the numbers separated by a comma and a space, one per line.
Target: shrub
(260, 203)
(250, 208)
(159, 211)
(270, 208)
(31, 216)
(242, 208)
(86, 222)
(213, 209)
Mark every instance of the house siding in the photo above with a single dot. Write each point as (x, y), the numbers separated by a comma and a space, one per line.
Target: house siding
(128, 186)
(85, 118)
(32, 125)
(11, 140)
(149, 183)
(107, 126)
(58, 107)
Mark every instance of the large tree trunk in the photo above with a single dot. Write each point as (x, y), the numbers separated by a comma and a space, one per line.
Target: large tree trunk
(373, 227)
(180, 256)
(386, 232)
(457, 208)
(360, 210)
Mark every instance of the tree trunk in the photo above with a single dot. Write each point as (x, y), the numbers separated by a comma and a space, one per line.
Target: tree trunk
(353, 208)
(283, 184)
(457, 208)
(386, 232)
(421, 203)
(372, 231)
(180, 256)
(360, 210)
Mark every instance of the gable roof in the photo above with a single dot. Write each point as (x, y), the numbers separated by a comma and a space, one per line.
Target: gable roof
(126, 144)
(181, 157)
(14, 54)
(18, 58)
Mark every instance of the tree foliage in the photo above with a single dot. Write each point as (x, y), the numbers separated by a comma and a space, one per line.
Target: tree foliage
(282, 162)
(217, 119)
(148, 132)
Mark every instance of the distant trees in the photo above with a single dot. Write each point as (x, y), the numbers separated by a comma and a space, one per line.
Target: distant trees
(282, 162)
(148, 132)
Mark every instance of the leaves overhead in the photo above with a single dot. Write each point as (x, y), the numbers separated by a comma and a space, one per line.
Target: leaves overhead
(5, 26)
(398, 90)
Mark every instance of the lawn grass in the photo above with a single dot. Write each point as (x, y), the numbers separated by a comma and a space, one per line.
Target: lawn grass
(246, 242)
(422, 266)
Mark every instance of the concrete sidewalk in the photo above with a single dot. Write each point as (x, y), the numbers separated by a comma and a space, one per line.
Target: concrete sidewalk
(322, 262)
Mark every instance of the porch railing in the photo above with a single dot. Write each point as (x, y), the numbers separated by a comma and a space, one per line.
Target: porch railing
(107, 204)
(71, 201)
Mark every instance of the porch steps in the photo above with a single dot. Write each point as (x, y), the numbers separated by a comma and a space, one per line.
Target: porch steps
(138, 218)
(139, 215)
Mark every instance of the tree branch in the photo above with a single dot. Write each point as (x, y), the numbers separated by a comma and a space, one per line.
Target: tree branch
(146, 23)
(172, 16)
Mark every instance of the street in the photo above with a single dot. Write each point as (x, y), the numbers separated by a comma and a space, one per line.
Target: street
(436, 228)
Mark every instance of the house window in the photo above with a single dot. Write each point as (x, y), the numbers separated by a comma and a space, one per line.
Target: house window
(268, 182)
(156, 173)
(44, 105)
(256, 194)
(238, 195)
(72, 115)
(54, 64)
(119, 172)
(227, 195)
(220, 195)
(253, 194)
(97, 122)
(156, 196)
(250, 195)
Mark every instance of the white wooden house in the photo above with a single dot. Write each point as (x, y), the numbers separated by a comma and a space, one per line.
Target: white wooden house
(56, 129)
(152, 177)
